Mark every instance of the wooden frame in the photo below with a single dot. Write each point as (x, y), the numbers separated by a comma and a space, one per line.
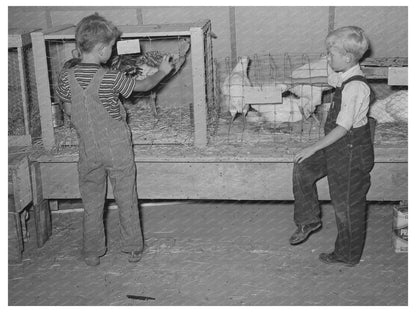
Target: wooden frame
(196, 31)
(19, 39)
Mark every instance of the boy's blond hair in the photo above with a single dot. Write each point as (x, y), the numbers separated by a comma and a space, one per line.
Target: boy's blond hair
(92, 30)
(350, 39)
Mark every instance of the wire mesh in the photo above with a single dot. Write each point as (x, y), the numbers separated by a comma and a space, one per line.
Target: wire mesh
(301, 114)
(295, 118)
(22, 91)
(163, 115)
(16, 125)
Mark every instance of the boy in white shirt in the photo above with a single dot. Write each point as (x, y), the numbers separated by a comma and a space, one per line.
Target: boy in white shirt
(345, 154)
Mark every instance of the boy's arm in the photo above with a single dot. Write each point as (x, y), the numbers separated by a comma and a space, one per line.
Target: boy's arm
(151, 81)
(67, 108)
(333, 136)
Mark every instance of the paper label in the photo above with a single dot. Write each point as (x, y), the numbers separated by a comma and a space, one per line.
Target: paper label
(128, 46)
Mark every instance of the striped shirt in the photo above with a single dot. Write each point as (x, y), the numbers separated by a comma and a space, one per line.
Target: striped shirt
(113, 84)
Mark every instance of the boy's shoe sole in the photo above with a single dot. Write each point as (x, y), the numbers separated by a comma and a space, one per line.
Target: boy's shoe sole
(330, 258)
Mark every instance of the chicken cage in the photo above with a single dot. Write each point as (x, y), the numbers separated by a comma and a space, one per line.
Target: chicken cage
(182, 109)
(285, 98)
(23, 109)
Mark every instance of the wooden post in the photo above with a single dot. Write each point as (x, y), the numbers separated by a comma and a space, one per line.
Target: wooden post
(233, 37)
(15, 235)
(22, 70)
(41, 207)
(198, 82)
(331, 19)
(43, 91)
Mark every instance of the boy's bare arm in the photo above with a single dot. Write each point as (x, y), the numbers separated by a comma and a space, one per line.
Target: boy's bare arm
(337, 133)
(67, 108)
(151, 81)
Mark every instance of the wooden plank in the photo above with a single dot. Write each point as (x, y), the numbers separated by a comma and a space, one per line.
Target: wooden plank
(19, 38)
(53, 205)
(261, 154)
(263, 95)
(233, 36)
(43, 89)
(18, 166)
(397, 76)
(331, 18)
(385, 62)
(198, 83)
(23, 88)
(150, 30)
(227, 181)
(375, 72)
(15, 236)
(41, 207)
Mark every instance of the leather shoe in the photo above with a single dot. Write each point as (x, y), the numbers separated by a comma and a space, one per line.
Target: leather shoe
(303, 231)
(135, 256)
(331, 258)
(92, 260)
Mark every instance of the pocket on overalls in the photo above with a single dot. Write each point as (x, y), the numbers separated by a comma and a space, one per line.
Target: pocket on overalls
(365, 155)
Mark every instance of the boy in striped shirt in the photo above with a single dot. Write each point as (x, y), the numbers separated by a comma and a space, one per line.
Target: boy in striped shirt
(90, 94)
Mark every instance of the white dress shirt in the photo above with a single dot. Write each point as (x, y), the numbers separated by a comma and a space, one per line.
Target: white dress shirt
(355, 98)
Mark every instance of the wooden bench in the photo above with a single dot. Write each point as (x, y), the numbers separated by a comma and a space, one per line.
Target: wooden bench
(22, 175)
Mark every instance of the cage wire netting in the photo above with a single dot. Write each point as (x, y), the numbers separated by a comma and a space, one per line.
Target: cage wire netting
(163, 115)
(301, 80)
(17, 91)
(300, 116)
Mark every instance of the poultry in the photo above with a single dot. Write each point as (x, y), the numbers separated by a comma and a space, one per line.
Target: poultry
(310, 96)
(287, 111)
(233, 91)
(143, 65)
(393, 108)
(317, 68)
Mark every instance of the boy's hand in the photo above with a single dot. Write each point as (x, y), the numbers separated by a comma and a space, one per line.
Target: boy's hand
(305, 153)
(166, 65)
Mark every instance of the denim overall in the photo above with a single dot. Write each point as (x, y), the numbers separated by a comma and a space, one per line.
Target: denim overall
(105, 148)
(347, 164)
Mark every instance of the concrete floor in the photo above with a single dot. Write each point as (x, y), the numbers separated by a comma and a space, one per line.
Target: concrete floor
(212, 253)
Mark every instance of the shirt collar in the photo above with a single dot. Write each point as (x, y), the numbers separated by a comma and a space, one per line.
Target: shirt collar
(353, 71)
(337, 79)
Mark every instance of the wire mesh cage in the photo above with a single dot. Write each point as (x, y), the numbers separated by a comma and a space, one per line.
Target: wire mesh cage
(273, 98)
(23, 109)
(292, 97)
(164, 115)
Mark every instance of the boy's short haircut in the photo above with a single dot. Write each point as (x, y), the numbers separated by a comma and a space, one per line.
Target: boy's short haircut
(351, 39)
(94, 29)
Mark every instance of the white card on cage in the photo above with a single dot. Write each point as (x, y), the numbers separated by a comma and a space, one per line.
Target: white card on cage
(128, 46)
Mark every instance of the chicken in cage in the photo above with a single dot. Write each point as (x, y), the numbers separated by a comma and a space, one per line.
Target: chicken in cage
(275, 90)
(186, 109)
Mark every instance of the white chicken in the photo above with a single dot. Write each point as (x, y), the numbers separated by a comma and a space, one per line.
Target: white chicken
(233, 90)
(310, 96)
(393, 108)
(318, 68)
(287, 111)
